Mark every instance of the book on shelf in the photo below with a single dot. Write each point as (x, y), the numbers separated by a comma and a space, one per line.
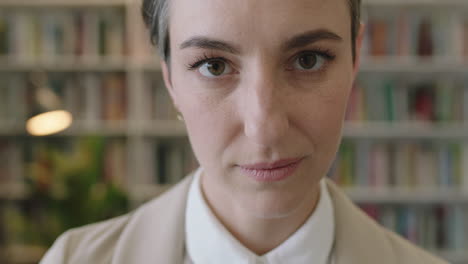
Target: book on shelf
(142, 48)
(464, 39)
(464, 168)
(4, 97)
(74, 96)
(93, 97)
(410, 32)
(50, 35)
(4, 34)
(114, 97)
(173, 160)
(89, 97)
(402, 165)
(111, 34)
(158, 101)
(166, 161)
(11, 167)
(13, 98)
(115, 163)
(391, 100)
(433, 227)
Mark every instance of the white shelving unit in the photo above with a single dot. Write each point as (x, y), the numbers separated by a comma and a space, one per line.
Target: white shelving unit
(357, 194)
(138, 130)
(431, 3)
(352, 130)
(408, 196)
(411, 66)
(65, 65)
(68, 3)
(382, 130)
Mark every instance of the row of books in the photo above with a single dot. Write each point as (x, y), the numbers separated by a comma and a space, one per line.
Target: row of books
(47, 35)
(31, 35)
(94, 96)
(44, 160)
(47, 161)
(391, 100)
(411, 32)
(115, 163)
(11, 169)
(167, 161)
(402, 164)
(89, 96)
(432, 227)
(158, 103)
(173, 162)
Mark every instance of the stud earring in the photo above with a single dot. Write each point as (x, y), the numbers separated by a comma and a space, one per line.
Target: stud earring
(180, 117)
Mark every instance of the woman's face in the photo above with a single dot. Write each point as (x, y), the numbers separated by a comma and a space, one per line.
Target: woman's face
(259, 82)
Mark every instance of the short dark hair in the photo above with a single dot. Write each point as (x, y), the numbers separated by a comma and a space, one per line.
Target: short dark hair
(156, 17)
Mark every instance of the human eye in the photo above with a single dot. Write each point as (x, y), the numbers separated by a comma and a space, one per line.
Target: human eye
(312, 61)
(211, 67)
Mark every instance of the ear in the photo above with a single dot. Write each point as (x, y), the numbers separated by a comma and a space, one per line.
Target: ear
(168, 82)
(359, 40)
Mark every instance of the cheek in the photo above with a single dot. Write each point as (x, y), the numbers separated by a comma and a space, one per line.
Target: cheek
(324, 114)
(208, 119)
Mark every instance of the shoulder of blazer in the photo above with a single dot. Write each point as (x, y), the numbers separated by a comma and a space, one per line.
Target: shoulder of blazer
(154, 231)
(359, 239)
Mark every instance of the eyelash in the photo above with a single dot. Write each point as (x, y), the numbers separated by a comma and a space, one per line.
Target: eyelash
(202, 60)
(326, 53)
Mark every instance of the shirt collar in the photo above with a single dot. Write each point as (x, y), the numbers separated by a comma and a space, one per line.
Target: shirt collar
(208, 241)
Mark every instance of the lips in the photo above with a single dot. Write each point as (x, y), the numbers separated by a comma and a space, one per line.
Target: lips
(271, 172)
(269, 166)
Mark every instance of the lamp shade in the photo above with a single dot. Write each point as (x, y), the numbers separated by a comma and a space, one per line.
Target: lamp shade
(47, 116)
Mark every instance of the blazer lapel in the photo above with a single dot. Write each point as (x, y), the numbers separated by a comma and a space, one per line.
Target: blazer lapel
(358, 239)
(155, 232)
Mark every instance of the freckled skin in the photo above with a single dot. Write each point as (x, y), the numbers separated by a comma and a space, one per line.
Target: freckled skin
(262, 111)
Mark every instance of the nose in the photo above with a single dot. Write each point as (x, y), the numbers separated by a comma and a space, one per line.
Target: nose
(265, 109)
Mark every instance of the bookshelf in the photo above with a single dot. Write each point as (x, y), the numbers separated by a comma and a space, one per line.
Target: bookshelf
(403, 158)
(144, 139)
(405, 130)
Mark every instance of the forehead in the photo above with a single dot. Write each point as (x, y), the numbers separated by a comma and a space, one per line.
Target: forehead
(256, 20)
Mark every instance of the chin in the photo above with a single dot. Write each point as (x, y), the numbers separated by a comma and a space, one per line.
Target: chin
(280, 199)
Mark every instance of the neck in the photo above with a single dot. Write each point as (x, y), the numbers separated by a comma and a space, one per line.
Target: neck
(259, 235)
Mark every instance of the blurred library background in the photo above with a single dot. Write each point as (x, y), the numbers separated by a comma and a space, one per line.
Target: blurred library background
(87, 66)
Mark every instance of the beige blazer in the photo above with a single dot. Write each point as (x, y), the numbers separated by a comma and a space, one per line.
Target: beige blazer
(154, 233)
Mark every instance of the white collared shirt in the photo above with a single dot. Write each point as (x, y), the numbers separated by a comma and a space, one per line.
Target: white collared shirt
(209, 242)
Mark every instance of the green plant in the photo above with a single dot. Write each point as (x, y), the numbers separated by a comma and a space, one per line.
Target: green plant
(67, 190)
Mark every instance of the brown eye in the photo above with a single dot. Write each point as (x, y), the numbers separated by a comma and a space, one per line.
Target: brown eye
(215, 68)
(310, 61)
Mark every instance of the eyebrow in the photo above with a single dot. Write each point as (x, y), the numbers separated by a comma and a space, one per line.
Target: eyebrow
(208, 43)
(310, 37)
(295, 42)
